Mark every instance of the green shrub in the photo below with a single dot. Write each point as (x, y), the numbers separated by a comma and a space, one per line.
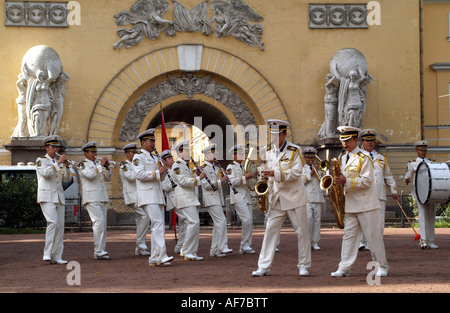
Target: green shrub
(18, 207)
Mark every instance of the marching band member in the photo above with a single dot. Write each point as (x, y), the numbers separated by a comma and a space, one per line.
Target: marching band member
(287, 197)
(187, 202)
(171, 200)
(128, 179)
(314, 193)
(241, 200)
(383, 176)
(427, 212)
(213, 201)
(50, 195)
(94, 175)
(150, 196)
(362, 208)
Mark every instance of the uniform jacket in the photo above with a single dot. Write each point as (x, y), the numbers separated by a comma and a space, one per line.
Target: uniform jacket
(148, 185)
(50, 178)
(186, 182)
(312, 184)
(411, 168)
(128, 178)
(93, 181)
(169, 191)
(287, 185)
(211, 197)
(360, 190)
(236, 174)
(383, 175)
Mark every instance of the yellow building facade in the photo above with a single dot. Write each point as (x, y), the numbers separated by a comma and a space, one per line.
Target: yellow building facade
(283, 78)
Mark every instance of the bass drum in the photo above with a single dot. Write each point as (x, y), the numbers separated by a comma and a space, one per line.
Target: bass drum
(433, 183)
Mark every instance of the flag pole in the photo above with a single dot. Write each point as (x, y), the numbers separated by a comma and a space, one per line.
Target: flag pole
(165, 146)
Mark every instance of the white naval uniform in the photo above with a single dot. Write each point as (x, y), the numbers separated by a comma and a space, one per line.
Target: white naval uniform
(383, 179)
(315, 201)
(242, 202)
(214, 202)
(427, 212)
(287, 197)
(150, 197)
(187, 205)
(361, 210)
(128, 179)
(96, 200)
(50, 195)
(171, 204)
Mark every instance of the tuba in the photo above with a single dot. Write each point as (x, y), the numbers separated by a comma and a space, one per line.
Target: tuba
(259, 185)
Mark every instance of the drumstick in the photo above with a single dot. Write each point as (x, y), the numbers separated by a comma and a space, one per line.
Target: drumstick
(417, 235)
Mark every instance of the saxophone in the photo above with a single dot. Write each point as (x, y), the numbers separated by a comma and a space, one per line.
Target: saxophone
(335, 192)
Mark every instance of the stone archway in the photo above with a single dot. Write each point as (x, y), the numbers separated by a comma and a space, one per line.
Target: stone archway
(181, 73)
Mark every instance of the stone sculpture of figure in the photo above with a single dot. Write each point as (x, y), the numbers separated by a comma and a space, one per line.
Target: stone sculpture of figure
(345, 98)
(329, 126)
(41, 88)
(146, 18)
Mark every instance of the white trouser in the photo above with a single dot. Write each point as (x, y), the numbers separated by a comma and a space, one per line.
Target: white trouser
(98, 212)
(181, 231)
(314, 210)
(427, 218)
(369, 223)
(275, 220)
(54, 213)
(382, 220)
(142, 225)
(244, 210)
(158, 242)
(192, 229)
(219, 240)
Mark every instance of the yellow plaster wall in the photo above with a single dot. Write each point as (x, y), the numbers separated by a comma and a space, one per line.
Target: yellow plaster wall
(294, 62)
(436, 49)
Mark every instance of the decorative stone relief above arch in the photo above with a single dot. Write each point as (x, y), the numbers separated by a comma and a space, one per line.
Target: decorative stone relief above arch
(188, 84)
(260, 98)
(226, 18)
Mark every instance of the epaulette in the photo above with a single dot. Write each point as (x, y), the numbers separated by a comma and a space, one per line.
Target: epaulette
(268, 147)
(362, 154)
(204, 165)
(178, 161)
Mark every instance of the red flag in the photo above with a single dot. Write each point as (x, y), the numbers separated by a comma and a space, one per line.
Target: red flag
(164, 139)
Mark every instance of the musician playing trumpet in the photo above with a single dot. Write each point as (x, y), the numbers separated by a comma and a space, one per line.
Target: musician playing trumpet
(50, 195)
(311, 176)
(287, 197)
(94, 175)
(362, 208)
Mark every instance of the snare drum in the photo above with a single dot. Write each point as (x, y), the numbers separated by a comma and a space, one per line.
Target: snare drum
(433, 183)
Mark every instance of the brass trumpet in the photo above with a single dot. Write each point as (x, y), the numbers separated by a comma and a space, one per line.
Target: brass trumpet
(72, 162)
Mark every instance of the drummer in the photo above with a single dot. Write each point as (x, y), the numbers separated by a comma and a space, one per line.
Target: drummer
(427, 212)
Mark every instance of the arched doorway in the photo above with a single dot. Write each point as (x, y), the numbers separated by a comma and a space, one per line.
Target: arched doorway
(184, 80)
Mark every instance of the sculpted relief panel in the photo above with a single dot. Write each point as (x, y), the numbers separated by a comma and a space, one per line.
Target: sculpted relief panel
(229, 18)
(188, 84)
